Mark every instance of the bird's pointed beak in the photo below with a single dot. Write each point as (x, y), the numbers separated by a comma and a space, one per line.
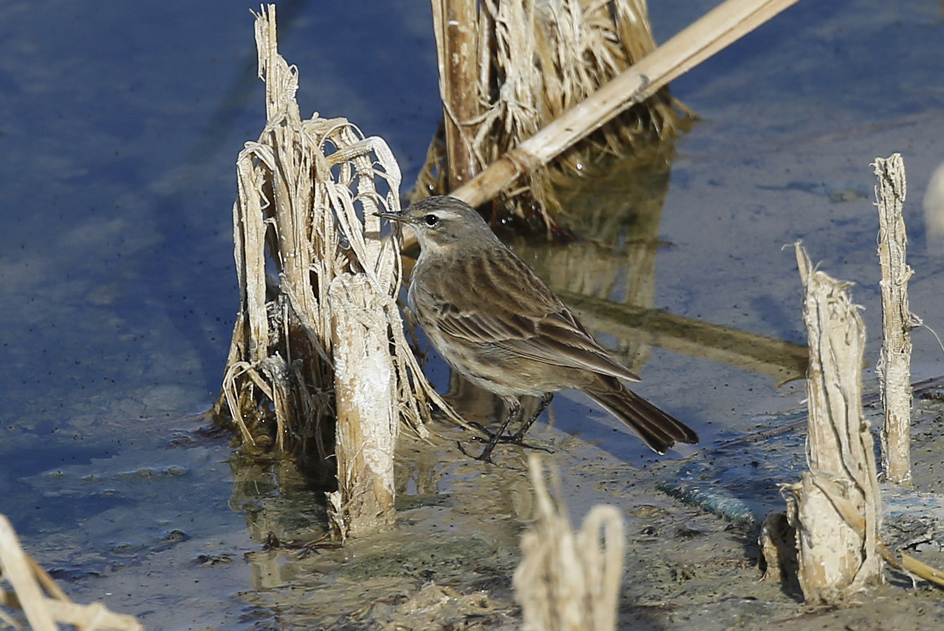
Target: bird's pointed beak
(393, 217)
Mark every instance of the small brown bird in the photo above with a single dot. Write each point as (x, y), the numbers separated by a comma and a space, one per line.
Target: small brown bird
(496, 323)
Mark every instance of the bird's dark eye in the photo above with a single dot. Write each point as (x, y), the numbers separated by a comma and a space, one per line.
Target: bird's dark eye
(431, 220)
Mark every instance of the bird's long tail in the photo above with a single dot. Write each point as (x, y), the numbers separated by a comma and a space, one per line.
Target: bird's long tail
(657, 428)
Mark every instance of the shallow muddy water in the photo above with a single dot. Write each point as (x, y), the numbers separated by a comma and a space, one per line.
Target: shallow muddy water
(119, 133)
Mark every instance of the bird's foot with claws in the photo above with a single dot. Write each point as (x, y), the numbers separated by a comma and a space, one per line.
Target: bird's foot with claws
(492, 440)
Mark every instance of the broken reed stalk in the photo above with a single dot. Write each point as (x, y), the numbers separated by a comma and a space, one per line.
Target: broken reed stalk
(568, 581)
(454, 24)
(324, 340)
(836, 507)
(722, 26)
(44, 612)
(894, 364)
(364, 392)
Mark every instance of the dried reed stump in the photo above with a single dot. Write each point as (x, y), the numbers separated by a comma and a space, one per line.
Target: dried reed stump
(367, 418)
(568, 581)
(836, 507)
(319, 367)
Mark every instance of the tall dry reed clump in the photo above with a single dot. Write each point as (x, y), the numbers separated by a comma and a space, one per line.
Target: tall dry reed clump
(318, 350)
(507, 69)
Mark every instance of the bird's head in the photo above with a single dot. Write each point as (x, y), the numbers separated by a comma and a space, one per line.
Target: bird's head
(442, 221)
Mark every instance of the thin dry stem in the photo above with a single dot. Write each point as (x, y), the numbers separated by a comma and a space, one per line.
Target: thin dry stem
(454, 22)
(894, 365)
(42, 601)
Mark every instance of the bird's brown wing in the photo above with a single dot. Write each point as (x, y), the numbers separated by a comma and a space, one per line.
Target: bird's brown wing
(499, 301)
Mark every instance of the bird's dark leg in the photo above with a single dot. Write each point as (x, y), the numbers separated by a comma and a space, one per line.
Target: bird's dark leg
(518, 438)
(514, 411)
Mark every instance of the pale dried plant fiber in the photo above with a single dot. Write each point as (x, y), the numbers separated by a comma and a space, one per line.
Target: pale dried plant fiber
(568, 581)
(44, 604)
(836, 507)
(324, 339)
(894, 365)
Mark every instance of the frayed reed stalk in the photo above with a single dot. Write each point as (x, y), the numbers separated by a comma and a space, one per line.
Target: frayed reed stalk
(894, 365)
(323, 339)
(836, 507)
(568, 581)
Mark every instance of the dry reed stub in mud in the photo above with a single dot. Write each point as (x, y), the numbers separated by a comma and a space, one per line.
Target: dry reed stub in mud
(319, 350)
(361, 343)
(568, 581)
(836, 507)
(894, 365)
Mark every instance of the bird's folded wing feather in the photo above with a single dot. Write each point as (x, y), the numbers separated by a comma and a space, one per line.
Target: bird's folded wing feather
(540, 328)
